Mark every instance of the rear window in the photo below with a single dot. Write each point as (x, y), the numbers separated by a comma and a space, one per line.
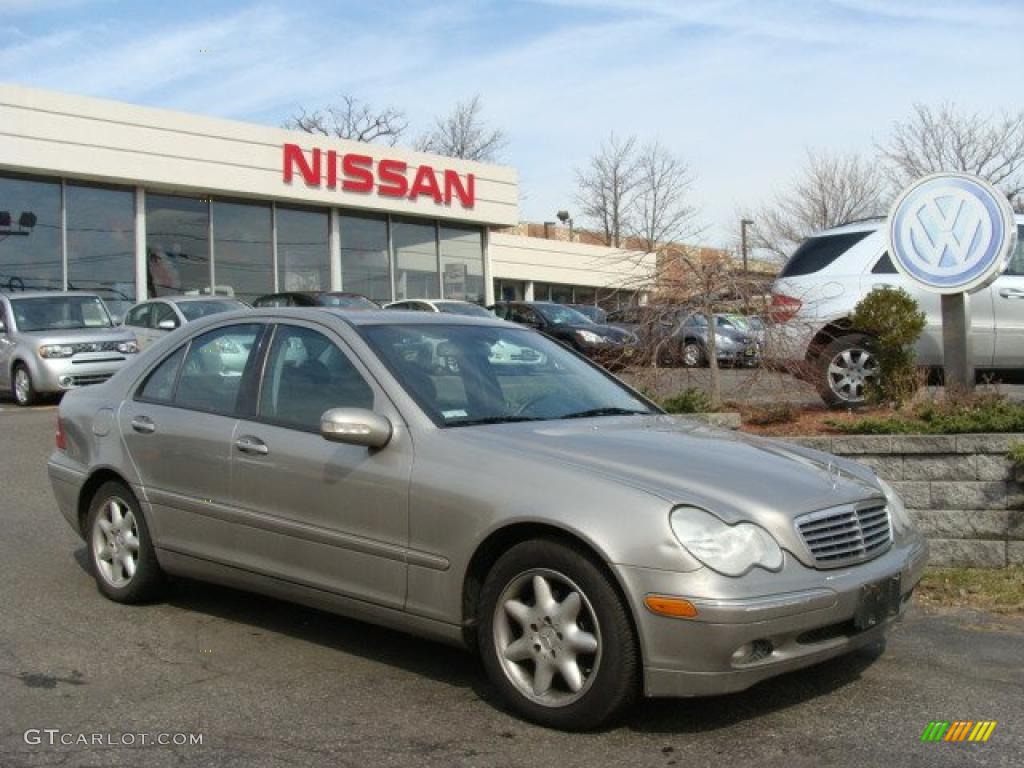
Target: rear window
(816, 253)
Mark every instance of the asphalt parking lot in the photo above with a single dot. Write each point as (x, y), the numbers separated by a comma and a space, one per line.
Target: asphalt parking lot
(267, 683)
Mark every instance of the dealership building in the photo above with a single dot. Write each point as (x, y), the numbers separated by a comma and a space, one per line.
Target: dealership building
(134, 202)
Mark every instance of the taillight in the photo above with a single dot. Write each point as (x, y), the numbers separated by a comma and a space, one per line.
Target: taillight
(59, 437)
(783, 308)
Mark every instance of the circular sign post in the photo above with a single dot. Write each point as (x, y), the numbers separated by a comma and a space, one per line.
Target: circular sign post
(952, 234)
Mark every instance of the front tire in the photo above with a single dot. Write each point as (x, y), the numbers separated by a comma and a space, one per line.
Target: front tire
(844, 368)
(120, 549)
(22, 388)
(556, 638)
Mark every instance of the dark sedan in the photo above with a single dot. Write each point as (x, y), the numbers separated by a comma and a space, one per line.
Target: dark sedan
(605, 344)
(678, 335)
(336, 299)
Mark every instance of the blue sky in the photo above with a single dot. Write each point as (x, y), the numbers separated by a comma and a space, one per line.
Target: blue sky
(740, 88)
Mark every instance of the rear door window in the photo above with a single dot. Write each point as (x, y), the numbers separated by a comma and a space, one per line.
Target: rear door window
(816, 253)
(211, 376)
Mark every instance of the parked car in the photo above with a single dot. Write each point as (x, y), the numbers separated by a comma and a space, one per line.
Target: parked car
(827, 276)
(594, 312)
(51, 342)
(448, 306)
(588, 546)
(679, 336)
(605, 344)
(339, 299)
(149, 320)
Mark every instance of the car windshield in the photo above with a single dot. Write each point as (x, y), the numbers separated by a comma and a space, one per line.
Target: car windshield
(556, 314)
(59, 313)
(463, 308)
(596, 314)
(193, 310)
(471, 374)
(346, 302)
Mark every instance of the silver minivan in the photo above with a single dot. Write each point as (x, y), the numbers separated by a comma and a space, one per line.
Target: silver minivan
(51, 342)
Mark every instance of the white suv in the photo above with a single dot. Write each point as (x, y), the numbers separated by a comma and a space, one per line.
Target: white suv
(816, 291)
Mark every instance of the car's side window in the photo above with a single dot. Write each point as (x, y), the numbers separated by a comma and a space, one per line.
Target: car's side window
(139, 316)
(160, 313)
(306, 374)
(524, 315)
(884, 266)
(159, 386)
(211, 374)
(1016, 265)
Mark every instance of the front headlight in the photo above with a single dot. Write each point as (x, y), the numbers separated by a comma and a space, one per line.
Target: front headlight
(128, 347)
(902, 521)
(723, 341)
(731, 550)
(590, 337)
(56, 350)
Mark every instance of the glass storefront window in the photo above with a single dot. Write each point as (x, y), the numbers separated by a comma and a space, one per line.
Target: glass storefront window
(364, 256)
(101, 244)
(303, 250)
(177, 245)
(30, 250)
(462, 263)
(416, 275)
(242, 258)
(562, 294)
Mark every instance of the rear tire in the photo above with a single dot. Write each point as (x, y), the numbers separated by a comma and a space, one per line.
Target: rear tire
(22, 388)
(121, 552)
(844, 368)
(692, 355)
(556, 638)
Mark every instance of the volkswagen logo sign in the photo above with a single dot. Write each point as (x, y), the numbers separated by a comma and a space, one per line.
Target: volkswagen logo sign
(952, 233)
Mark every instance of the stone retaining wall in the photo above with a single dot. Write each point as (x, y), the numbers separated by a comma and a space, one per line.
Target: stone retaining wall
(962, 489)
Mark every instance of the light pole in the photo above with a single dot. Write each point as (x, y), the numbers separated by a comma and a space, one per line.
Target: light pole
(744, 223)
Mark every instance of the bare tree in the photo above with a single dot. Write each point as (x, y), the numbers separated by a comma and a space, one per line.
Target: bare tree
(832, 189)
(353, 119)
(944, 139)
(462, 133)
(659, 206)
(605, 185)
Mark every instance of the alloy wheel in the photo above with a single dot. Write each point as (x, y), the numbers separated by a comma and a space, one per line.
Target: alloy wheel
(691, 355)
(22, 386)
(849, 372)
(115, 543)
(547, 638)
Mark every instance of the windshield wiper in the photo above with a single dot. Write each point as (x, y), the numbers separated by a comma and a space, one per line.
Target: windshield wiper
(605, 412)
(491, 420)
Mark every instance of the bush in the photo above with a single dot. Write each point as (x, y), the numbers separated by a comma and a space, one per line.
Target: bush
(987, 413)
(776, 413)
(895, 323)
(690, 400)
(1016, 454)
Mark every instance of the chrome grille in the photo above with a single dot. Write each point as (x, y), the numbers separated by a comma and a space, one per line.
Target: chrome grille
(848, 534)
(84, 380)
(95, 346)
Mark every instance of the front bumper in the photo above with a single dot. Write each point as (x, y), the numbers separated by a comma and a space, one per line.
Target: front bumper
(806, 618)
(611, 355)
(60, 374)
(748, 356)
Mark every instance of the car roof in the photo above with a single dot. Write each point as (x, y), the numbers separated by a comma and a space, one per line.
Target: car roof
(186, 299)
(404, 317)
(47, 294)
(872, 224)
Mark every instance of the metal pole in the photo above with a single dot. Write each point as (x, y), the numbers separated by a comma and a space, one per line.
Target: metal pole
(744, 223)
(958, 362)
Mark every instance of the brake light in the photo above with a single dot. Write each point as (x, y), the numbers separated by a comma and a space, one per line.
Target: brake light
(59, 437)
(783, 308)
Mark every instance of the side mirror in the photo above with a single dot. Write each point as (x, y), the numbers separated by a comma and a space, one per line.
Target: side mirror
(167, 325)
(355, 426)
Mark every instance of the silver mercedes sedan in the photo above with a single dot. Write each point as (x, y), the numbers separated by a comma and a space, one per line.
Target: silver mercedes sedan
(396, 468)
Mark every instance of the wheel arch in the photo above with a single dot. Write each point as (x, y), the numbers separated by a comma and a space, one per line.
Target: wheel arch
(501, 540)
(92, 484)
(841, 326)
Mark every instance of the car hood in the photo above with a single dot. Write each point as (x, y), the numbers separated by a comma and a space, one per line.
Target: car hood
(79, 335)
(735, 475)
(608, 331)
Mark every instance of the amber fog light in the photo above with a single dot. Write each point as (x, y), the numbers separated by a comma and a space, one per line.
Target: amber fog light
(751, 653)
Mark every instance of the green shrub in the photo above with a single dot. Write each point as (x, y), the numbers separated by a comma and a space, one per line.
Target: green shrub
(690, 400)
(895, 322)
(981, 414)
(1016, 454)
(776, 413)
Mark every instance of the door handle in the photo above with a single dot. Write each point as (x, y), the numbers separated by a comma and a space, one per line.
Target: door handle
(252, 445)
(144, 425)
(1012, 293)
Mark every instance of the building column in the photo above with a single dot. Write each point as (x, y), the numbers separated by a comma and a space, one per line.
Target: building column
(488, 279)
(528, 290)
(335, 251)
(141, 265)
